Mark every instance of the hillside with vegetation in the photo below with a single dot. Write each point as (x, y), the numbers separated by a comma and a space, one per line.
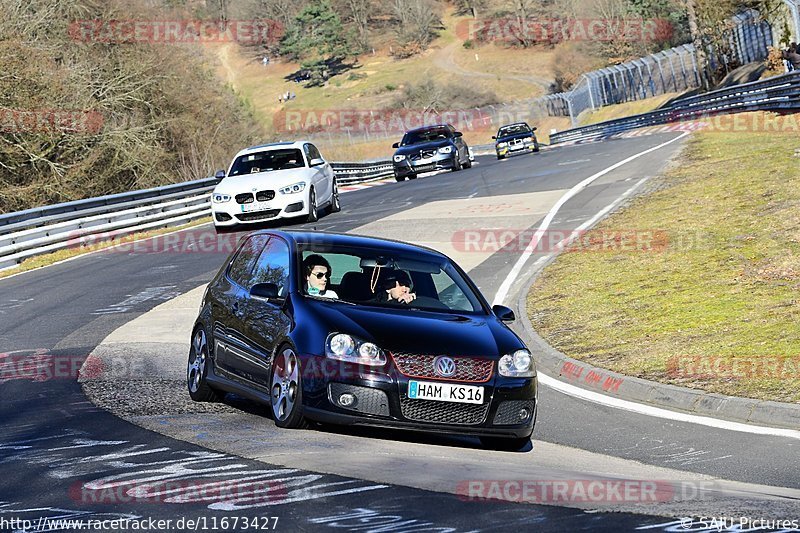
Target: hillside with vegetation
(152, 113)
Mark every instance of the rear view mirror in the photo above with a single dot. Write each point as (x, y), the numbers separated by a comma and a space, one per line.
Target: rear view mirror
(533, 129)
(504, 313)
(396, 145)
(264, 291)
(316, 162)
(494, 137)
(219, 174)
(457, 134)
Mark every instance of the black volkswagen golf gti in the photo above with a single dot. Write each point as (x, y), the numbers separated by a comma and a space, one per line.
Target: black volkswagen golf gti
(357, 330)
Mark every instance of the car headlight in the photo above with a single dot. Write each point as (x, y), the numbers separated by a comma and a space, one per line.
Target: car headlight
(528, 139)
(517, 365)
(502, 145)
(445, 149)
(344, 347)
(293, 188)
(219, 198)
(399, 158)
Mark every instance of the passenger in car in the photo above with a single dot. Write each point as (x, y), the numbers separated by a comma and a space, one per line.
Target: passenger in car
(318, 275)
(395, 287)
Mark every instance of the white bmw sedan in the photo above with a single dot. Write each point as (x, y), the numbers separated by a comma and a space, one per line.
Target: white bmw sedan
(279, 180)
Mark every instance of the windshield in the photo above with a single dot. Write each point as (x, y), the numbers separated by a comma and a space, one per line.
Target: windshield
(267, 161)
(514, 129)
(423, 136)
(378, 277)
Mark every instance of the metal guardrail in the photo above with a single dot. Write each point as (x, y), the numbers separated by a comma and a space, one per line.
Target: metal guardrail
(349, 173)
(774, 94)
(40, 230)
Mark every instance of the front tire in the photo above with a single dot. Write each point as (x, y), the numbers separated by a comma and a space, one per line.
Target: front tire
(287, 390)
(336, 204)
(197, 370)
(313, 216)
(456, 163)
(398, 179)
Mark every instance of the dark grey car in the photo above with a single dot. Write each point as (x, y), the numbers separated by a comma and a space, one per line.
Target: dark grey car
(431, 148)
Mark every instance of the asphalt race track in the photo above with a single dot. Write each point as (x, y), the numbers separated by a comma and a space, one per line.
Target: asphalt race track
(67, 458)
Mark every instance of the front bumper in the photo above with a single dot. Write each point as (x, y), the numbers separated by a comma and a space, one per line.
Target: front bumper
(282, 206)
(523, 147)
(407, 167)
(382, 401)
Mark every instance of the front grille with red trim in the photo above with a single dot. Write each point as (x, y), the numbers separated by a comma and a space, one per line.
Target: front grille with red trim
(468, 369)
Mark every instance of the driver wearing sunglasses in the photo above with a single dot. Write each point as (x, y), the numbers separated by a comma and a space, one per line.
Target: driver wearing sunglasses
(318, 275)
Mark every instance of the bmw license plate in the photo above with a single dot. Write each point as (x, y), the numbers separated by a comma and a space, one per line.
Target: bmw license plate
(445, 392)
(255, 206)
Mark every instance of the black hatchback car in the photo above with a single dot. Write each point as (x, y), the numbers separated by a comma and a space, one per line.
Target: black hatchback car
(357, 330)
(430, 148)
(515, 138)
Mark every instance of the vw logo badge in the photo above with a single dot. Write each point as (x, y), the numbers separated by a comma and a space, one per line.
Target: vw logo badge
(444, 366)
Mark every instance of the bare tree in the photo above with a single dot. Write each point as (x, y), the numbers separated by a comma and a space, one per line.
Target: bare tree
(357, 12)
(419, 20)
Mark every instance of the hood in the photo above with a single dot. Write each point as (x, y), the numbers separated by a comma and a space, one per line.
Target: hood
(506, 138)
(421, 332)
(415, 148)
(272, 180)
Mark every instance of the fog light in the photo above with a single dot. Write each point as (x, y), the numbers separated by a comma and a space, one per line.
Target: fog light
(524, 414)
(346, 400)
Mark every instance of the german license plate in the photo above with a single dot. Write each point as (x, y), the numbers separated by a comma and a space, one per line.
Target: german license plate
(255, 206)
(445, 392)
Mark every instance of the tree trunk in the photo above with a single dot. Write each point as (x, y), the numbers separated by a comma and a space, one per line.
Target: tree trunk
(699, 47)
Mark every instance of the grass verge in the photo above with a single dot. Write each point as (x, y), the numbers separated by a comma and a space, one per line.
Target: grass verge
(44, 260)
(717, 307)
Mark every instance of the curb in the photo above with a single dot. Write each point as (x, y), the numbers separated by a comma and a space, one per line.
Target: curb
(697, 402)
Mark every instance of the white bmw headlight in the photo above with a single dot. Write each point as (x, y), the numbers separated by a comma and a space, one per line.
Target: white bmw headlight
(445, 149)
(502, 145)
(293, 188)
(219, 198)
(399, 158)
(528, 139)
(517, 365)
(344, 347)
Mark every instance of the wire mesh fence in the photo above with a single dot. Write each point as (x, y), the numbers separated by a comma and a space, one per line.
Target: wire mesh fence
(670, 71)
(673, 70)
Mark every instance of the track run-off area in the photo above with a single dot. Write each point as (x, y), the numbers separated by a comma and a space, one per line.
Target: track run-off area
(79, 451)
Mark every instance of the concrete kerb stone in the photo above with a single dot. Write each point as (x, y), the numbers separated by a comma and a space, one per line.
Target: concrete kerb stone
(599, 380)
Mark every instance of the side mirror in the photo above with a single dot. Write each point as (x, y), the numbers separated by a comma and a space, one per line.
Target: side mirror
(533, 128)
(316, 162)
(264, 291)
(457, 134)
(504, 313)
(494, 137)
(219, 174)
(396, 145)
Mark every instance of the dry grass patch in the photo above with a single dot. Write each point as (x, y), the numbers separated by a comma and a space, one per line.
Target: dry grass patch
(717, 309)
